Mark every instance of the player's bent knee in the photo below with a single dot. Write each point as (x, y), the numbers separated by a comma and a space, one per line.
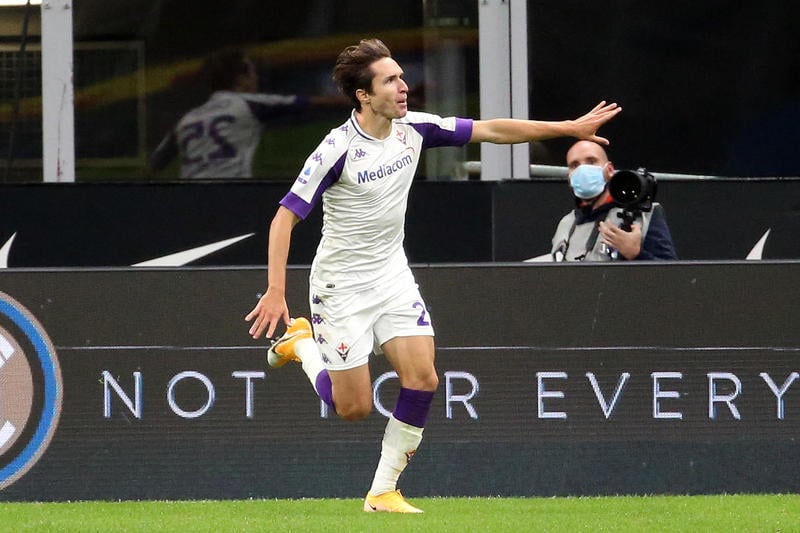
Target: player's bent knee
(426, 382)
(354, 411)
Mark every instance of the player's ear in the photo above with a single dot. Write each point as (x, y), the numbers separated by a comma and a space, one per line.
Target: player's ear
(363, 96)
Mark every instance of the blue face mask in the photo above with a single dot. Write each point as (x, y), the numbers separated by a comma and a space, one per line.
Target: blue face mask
(587, 181)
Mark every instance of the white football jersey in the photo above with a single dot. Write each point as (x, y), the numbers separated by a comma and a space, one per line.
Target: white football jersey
(219, 138)
(364, 183)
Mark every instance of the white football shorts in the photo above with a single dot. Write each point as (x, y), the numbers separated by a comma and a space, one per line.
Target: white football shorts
(350, 325)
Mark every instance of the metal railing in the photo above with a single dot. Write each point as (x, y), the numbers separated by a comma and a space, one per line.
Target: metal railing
(473, 168)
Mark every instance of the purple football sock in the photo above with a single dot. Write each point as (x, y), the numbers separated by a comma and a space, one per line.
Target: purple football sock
(325, 388)
(413, 406)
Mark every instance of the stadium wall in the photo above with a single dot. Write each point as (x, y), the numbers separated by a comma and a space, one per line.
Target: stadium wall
(225, 224)
(674, 378)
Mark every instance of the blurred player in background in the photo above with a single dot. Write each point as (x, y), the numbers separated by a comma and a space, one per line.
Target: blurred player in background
(219, 138)
(363, 295)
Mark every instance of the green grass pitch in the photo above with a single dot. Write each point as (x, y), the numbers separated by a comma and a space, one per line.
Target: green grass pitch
(726, 513)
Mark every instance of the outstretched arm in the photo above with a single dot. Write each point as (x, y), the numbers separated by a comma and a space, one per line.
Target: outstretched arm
(271, 307)
(164, 153)
(511, 131)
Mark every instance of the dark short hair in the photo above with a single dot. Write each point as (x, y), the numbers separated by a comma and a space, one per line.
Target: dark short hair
(352, 69)
(223, 67)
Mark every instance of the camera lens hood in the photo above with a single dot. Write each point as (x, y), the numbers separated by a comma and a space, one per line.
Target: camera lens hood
(633, 189)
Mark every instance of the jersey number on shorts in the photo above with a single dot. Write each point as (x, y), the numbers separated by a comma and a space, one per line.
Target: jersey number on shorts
(421, 321)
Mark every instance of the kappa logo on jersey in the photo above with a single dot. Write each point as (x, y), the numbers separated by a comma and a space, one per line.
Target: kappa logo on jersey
(358, 154)
(30, 390)
(321, 340)
(403, 160)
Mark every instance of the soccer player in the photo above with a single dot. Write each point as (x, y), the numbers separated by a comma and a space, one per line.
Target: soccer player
(362, 293)
(219, 138)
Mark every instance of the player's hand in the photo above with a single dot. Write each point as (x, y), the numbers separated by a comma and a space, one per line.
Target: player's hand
(270, 309)
(627, 243)
(586, 126)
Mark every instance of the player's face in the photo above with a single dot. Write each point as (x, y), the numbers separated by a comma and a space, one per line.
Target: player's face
(250, 80)
(389, 95)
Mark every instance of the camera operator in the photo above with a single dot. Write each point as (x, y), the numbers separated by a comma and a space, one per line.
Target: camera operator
(592, 232)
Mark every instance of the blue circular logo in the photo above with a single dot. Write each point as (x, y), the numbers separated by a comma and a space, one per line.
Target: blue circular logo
(30, 390)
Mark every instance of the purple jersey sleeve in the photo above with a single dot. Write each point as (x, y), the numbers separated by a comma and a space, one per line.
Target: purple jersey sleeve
(270, 106)
(296, 205)
(294, 200)
(434, 135)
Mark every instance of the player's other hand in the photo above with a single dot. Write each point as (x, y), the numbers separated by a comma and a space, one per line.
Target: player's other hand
(267, 313)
